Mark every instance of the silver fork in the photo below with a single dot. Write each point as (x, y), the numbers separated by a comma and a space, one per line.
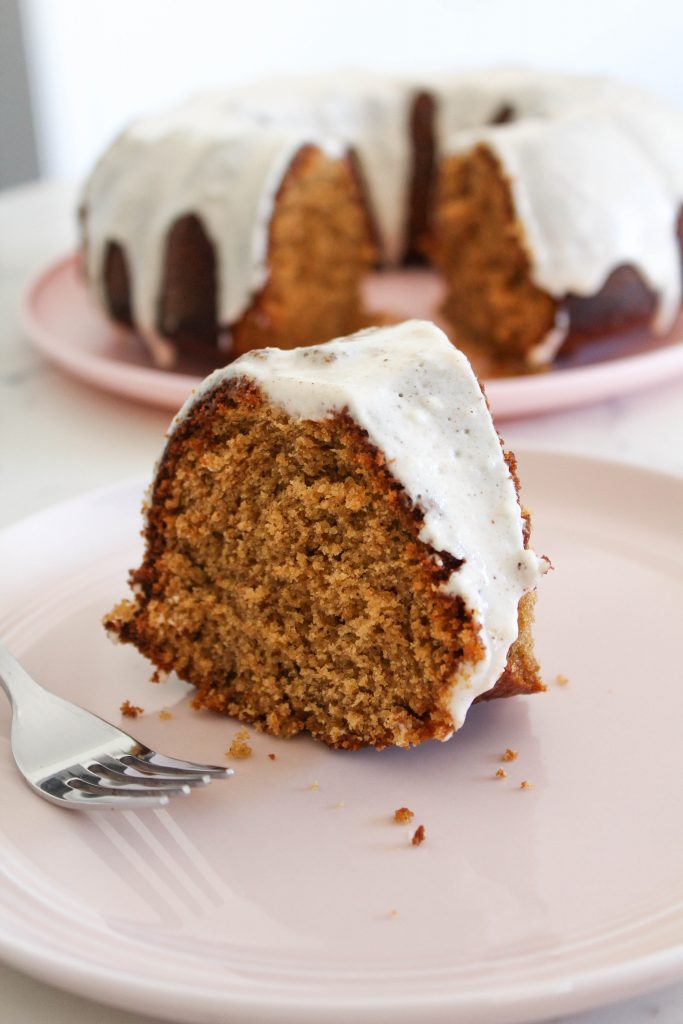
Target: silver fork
(75, 759)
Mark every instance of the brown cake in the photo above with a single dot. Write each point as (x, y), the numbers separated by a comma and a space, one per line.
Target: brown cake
(548, 203)
(334, 543)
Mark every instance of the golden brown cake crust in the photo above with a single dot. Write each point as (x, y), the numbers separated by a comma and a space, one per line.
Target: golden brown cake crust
(285, 579)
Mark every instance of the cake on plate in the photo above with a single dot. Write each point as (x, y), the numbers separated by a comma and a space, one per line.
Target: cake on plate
(335, 544)
(549, 204)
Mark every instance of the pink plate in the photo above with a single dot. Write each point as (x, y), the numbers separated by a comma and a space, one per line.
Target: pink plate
(288, 893)
(68, 327)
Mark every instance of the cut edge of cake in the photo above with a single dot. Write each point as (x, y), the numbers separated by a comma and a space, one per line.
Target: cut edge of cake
(321, 550)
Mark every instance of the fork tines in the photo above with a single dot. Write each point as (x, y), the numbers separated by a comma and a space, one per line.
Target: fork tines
(142, 778)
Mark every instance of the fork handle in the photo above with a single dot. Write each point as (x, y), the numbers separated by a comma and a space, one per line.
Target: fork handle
(15, 680)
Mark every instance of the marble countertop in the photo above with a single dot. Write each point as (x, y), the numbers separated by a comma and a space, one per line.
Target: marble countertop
(60, 438)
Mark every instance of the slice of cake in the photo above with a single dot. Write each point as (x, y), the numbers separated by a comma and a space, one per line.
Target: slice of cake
(334, 543)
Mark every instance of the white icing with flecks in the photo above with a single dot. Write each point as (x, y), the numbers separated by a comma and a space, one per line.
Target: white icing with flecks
(419, 401)
(595, 168)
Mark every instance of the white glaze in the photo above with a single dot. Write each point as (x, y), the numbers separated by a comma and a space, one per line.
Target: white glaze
(202, 159)
(596, 170)
(419, 401)
(368, 113)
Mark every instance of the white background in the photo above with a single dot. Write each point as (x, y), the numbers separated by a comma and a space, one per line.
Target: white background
(95, 64)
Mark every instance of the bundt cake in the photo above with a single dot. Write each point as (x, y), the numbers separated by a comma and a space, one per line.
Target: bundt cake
(549, 203)
(334, 543)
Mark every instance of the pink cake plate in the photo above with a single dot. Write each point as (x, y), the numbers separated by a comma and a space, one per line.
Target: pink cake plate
(288, 895)
(65, 323)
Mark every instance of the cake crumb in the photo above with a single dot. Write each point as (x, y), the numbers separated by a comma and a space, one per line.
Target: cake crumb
(418, 836)
(525, 784)
(239, 748)
(501, 774)
(271, 757)
(165, 714)
(340, 803)
(314, 785)
(131, 710)
(510, 755)
(561, 679)
(403, 815)
(393, 912)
